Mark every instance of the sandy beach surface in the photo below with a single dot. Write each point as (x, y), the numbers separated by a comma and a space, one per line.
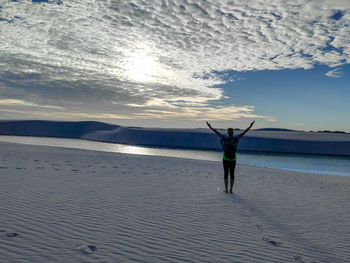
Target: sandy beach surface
(67, 205)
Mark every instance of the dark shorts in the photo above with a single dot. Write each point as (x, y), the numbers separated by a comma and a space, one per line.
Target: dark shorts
(229, 167)
(229, 164)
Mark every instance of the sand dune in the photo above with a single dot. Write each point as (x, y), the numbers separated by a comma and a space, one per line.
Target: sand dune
(65, 205)
(269, 141)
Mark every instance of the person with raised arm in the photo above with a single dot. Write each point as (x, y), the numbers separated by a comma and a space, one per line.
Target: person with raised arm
(229, 146)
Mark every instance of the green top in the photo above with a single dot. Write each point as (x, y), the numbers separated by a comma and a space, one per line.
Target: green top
(228, 159)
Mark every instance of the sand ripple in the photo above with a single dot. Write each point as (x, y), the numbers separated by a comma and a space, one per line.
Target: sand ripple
(83, 206)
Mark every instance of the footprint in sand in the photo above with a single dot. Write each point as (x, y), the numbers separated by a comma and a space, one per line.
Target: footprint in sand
(11, 234)
(3, 167)
(272, 242)
(75, 170)
(298, 259)
(86, 249)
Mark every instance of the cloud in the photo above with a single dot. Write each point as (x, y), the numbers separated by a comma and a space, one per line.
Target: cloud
(335, 73)
(14, 102)
(86, 54)
(160, 109)
(64, 115)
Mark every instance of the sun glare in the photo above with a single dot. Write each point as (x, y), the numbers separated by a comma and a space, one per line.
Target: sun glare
(141, 67)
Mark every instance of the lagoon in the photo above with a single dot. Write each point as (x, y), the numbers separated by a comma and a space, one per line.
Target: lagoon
(317, 164)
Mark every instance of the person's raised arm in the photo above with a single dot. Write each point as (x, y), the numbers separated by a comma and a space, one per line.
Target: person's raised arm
(242, 134)
(214, 130)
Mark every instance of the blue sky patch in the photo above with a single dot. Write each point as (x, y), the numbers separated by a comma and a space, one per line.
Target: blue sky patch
(337, 15)
(59, 2)
(6, 20)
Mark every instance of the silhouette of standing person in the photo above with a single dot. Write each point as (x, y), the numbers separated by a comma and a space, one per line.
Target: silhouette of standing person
(229, 146)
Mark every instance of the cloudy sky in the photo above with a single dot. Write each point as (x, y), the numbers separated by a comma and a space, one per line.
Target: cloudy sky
(177, 63)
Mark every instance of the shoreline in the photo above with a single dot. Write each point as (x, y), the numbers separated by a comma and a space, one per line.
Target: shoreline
(184, 147)
(63, 148)
(138, 150)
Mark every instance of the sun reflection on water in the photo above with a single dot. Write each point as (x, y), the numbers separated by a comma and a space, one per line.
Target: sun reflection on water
(135, 150)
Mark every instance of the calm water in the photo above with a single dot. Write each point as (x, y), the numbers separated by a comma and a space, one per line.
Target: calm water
(332, 165)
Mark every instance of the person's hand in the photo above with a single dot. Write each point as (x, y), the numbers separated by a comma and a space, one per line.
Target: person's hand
(208, 124)
(252, 123)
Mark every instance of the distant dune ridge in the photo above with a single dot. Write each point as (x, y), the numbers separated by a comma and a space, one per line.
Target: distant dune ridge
(269, 140)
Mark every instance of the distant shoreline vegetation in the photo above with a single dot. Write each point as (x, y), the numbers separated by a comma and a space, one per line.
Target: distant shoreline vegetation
(332, 132)
(288, 130)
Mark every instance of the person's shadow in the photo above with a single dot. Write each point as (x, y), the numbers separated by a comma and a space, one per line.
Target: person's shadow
(280, 231)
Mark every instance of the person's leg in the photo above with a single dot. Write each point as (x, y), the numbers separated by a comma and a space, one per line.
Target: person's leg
(226, 168)
(232, 175)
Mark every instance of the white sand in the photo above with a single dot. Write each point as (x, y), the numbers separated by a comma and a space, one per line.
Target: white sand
(65, 205)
